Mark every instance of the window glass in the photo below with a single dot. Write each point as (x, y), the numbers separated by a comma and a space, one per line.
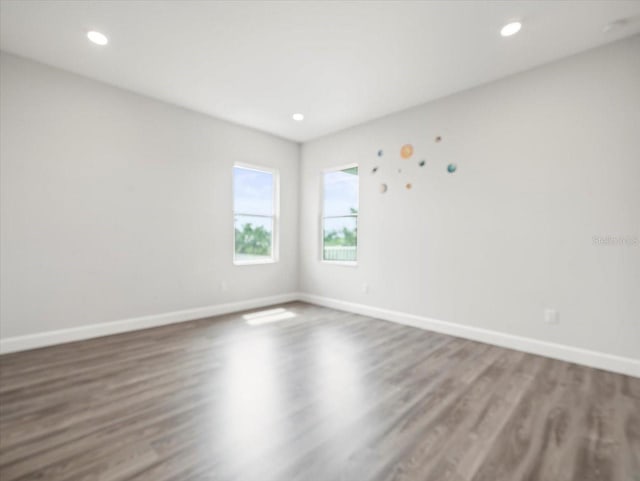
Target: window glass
(254, 204)
(340, 215)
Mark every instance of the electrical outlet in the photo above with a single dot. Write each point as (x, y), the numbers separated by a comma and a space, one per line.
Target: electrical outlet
(224, 287)
(365, 288)
(551, 316)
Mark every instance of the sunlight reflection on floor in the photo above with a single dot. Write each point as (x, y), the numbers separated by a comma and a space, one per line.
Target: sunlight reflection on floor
(267, 316)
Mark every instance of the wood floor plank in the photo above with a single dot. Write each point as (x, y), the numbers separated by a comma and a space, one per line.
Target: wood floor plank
(323, 395)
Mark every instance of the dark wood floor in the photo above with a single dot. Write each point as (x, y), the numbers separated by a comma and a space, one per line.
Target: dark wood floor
(322, 396)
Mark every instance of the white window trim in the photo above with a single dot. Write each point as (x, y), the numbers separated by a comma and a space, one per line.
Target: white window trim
(275, 236)
(321, 219)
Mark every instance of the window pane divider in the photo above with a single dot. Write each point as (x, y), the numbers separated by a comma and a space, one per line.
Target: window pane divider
(338, 216)
(254, 215)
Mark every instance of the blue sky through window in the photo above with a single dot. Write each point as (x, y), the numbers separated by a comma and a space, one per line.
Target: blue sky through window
(340, 196)
(253, 191)
(340, 192)
(253, 194)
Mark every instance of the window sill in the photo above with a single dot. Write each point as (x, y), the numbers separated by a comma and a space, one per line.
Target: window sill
(254, 263)
(341, 263)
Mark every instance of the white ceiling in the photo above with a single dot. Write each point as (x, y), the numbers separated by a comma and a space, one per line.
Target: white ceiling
(338, 62)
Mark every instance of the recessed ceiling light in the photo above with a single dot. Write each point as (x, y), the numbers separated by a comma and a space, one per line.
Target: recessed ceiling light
(510, 29)
(297, 117)
(97, 37)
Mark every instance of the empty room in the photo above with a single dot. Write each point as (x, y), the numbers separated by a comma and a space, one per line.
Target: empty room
(328, 240)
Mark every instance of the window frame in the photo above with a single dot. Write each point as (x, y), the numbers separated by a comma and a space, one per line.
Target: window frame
(322, 216)
(275, 235)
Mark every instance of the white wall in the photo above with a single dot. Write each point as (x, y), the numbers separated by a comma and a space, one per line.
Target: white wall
(117, 206)
(547, 160)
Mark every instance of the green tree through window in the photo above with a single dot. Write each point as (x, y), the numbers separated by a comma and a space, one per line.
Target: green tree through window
(252, 240)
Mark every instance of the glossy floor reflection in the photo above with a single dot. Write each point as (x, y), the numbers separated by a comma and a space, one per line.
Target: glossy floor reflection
(300, 392)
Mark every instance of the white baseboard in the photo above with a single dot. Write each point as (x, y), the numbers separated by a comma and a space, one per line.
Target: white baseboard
(43, 339)
(600, 360)
(563, 352)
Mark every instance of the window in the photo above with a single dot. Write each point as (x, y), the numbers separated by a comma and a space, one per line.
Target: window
(340, 215)
(255, 209)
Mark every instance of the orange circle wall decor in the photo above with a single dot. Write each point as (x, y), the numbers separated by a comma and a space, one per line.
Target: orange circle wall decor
(406, 151)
